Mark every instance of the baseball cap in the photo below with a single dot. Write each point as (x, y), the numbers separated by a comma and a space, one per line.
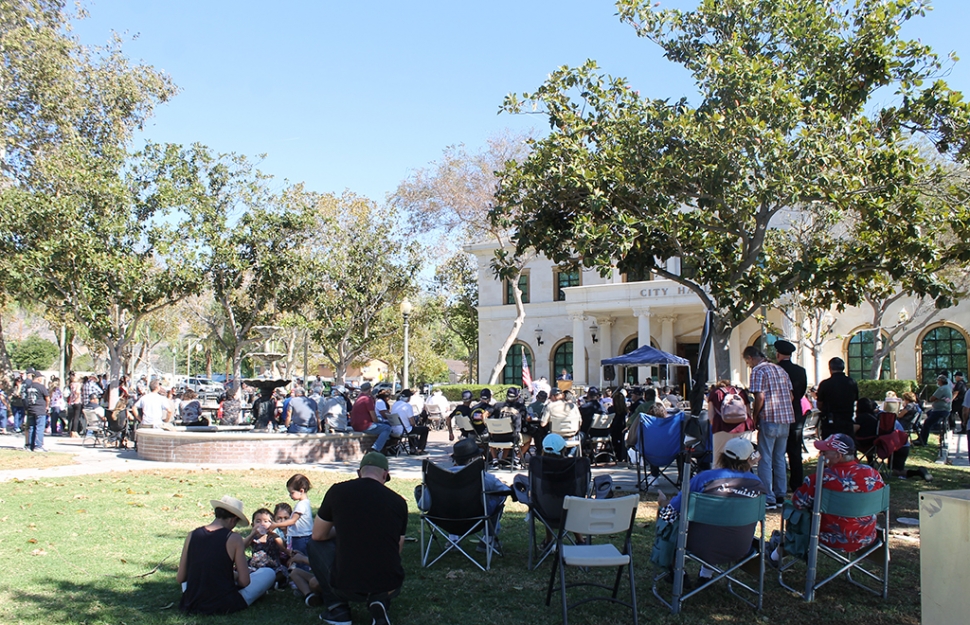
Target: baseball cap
(553, 443)
(374, 459)
(542, 396)
(485, 394)
(958, 373)
(406, 393)
(739, 449)
(841, 443)
(366, 386)
(512, 393)
(592, 391)
(466, 395)
(783, 347)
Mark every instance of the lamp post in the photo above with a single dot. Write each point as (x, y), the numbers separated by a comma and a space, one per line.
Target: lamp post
(405, 312)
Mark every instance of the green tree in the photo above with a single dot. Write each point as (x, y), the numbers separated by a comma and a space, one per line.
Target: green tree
(362, 268)
(34, 352)
(785, 174)
(455, 285)
(74, 233)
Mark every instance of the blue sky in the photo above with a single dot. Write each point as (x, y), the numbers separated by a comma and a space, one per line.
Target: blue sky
(353, 95)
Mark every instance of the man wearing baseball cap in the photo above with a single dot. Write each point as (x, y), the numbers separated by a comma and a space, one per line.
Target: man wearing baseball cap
(842, 473)
(365, 564)
(209, 555)
(514, 409)
(464, 409)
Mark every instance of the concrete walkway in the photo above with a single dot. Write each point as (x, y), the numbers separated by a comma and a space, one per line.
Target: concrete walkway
(90, 460)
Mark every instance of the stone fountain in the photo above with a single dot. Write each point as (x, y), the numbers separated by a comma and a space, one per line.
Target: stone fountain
(267, 357)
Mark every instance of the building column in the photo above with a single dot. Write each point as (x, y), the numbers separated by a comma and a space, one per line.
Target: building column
(643, 335)
(667, 333)
(579, 349)
(606, 345)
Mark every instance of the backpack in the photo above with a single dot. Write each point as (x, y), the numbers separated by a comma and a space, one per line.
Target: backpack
(733, 408)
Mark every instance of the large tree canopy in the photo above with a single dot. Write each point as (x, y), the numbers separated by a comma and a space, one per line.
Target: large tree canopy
(786, 172)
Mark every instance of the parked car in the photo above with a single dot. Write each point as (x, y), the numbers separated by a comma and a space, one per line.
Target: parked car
(381, 386)
(204, 387)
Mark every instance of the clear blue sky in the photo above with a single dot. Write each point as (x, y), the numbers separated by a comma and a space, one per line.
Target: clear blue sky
(352, 95)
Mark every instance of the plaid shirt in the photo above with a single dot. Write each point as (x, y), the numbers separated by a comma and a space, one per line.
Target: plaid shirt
(91, 388)
(772, 380)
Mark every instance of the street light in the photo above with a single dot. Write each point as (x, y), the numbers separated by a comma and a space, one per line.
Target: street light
(405, 312)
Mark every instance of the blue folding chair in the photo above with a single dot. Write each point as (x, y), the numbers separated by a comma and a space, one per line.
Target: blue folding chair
(660, 444)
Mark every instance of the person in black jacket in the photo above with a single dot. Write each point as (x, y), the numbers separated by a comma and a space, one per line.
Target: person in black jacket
(799, 384)
(837, 396)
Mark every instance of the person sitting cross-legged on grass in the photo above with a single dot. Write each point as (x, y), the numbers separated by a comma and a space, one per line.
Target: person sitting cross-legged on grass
(210, 585)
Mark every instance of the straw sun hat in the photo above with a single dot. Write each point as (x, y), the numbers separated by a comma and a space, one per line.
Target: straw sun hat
(232, 505)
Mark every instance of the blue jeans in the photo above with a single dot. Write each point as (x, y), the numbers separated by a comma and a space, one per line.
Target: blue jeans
(301, 429)
(772, 443)
(35, 432)
(383, 432)
(18, 417)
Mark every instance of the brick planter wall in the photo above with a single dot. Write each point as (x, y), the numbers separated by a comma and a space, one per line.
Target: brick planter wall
(236, 447)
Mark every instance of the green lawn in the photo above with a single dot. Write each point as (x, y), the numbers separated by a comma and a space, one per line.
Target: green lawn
(85, 550)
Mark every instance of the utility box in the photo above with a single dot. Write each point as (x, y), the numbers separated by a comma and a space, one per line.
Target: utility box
(944, 554)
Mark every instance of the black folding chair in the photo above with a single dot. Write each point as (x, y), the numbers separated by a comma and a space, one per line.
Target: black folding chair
(454, 508)
(551, 480)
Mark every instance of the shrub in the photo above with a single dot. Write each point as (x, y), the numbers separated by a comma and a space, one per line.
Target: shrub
(452, 392)
(34, 352)
(877, 389)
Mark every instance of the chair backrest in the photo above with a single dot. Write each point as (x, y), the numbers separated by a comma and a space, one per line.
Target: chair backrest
(499, 425)
(725, 511)
(457, 497)
(887, 422)
(602, 421)
(661, 439)
(599, 516)
(567, 426)
(92, 417)
(464, 423)
(854, 504)
(434, 410)
(811, 421)
(552, 479)
(892, 405)
(394, 419)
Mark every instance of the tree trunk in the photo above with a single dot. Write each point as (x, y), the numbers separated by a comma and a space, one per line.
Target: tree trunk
(513, 334)
(721, 348)
(208, 363)
(5, 368)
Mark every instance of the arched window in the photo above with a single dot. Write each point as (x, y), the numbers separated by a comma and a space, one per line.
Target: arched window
(943, 349)
(562, 358)
(862, 345)
(512, 374)
(633, 373)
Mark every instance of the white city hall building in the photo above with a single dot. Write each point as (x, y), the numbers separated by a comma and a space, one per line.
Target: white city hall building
(575, 319)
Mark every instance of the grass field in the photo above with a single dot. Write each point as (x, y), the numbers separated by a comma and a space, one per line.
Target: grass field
(103, 549)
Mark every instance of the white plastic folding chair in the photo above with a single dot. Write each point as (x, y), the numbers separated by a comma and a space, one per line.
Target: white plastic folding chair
(592, 518)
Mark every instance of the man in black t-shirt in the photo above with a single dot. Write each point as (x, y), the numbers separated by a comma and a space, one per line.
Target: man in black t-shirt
(365, 563)
(36, 402)
(464, 409)
(514, 409)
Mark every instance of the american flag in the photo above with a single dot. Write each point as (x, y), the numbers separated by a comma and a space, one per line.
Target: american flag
(526, 374)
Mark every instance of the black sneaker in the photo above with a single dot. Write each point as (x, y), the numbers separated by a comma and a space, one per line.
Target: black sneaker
(313, 600)
(338, 615)
(378, 613)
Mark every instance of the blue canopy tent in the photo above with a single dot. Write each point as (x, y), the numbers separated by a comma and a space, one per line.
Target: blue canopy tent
(648, 356)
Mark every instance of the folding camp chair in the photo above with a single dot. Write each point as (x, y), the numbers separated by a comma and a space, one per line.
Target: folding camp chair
(454, 508)
(436, 418)
(501, 428)
(717, 528)
(600, 441)
(595, 517)
(397, 445)
(843, 504)
(96, 430)
(660, 443)
(552, 479)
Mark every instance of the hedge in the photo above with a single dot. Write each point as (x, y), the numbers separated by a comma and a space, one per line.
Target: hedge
(452, 392)
(877, 389)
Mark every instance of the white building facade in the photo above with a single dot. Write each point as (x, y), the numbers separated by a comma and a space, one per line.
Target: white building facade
(576, 319)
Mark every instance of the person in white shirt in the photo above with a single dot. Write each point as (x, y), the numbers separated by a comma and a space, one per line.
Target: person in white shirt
(405, 414)
(153, 410)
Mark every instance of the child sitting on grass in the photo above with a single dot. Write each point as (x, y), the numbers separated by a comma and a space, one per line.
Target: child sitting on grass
(267, 548)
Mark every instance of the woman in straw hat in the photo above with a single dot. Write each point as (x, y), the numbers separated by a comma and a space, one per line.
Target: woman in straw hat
(213, 572)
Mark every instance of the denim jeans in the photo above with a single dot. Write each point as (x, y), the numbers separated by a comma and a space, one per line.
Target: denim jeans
(35, 432)
(932, 419)
(301, 429)
(383, 432)
(772, 442)
(18, 417)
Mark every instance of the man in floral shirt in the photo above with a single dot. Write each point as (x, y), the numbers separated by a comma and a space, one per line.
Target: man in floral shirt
(842, 473)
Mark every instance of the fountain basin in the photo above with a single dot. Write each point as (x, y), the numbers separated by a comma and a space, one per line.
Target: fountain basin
(234, 447)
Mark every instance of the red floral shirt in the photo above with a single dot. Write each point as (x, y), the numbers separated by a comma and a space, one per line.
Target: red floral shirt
(847, 534)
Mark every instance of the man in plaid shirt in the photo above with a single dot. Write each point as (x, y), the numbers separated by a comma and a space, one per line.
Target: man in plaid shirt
(773, 415)
(91, 387)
